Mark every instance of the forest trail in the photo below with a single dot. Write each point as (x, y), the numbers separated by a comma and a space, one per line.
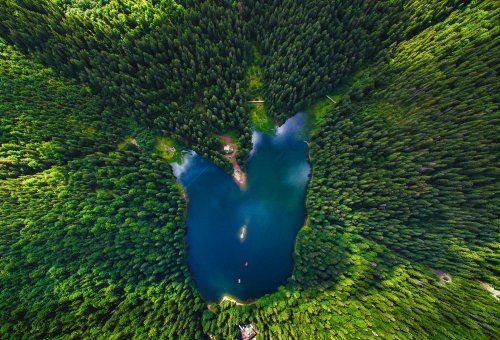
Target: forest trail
(238, 175)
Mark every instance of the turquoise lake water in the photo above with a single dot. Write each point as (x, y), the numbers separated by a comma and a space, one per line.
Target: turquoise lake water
(271, 209)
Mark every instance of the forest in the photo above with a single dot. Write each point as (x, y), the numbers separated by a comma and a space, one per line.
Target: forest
(402, 236)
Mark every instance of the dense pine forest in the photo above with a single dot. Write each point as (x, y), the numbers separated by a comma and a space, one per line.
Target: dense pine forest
(402, 236)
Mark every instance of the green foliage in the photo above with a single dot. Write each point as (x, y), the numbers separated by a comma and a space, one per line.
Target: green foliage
(168, 149)
(146, 140)
(91, 241)
(259, 118)
(153, 60)
(254, 75)
(387, 301)
(96, 248)
(309, 47)
(407, 160)
(403, 179)
(46, 120)
(404, 166)
(410, 157)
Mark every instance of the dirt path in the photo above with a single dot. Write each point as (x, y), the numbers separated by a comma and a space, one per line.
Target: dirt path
(238, 175)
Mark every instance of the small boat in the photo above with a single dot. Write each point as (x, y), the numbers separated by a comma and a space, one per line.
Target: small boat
(239, 281)
(246, 263)
(243, 232)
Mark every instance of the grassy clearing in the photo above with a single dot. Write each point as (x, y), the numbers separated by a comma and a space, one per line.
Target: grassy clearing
(320, 108)
(254, 75)
(317, 111)
(232, 134)
(258, 115)
(162, 146)
(259, 118)
(168, 149)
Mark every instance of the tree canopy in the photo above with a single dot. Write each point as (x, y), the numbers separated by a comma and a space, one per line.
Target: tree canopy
(402, 231)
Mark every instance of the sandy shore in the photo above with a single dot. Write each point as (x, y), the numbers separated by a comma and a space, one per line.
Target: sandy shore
(239, 176)
(232, 300)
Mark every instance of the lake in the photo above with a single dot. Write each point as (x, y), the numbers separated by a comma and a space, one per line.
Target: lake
(240, 243)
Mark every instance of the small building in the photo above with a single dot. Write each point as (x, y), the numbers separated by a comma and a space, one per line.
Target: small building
(228, 148)
(247, 332)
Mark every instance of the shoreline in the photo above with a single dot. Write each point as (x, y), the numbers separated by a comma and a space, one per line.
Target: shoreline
(239, 175)
(233, 300)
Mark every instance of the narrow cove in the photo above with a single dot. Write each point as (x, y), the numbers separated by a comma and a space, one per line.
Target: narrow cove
(240, 242)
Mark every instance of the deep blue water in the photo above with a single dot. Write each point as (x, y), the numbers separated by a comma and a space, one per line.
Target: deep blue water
(272, 209)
